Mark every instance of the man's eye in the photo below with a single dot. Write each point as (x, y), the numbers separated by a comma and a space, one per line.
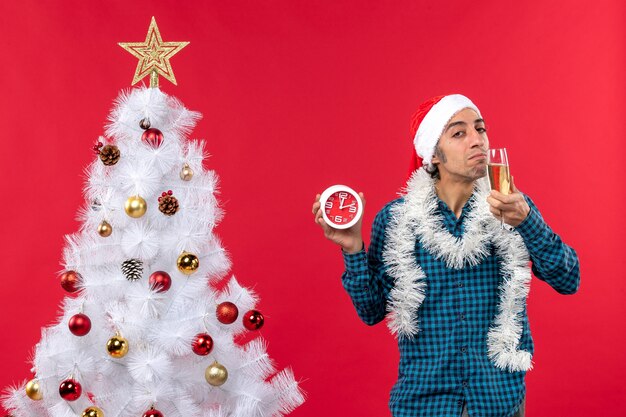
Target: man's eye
(481, 129)
(458, 134)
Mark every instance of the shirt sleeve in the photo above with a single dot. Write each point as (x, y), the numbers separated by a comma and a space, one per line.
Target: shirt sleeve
(553, 261)
(365, 278)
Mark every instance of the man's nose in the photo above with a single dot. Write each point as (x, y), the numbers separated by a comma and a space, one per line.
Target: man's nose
(477, 139)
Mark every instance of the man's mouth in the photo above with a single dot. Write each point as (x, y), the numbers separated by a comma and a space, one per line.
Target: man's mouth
(478, 155)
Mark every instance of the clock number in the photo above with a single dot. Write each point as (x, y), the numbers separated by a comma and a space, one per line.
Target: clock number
(338, 219)
(352, 209)
(343, 195)
(329, 204)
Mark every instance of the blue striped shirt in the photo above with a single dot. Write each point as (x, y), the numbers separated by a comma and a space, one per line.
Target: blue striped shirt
(446, 365)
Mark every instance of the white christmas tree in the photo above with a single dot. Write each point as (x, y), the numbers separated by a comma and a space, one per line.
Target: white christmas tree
(145, 331)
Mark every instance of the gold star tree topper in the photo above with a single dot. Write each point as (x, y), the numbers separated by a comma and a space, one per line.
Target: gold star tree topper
(154, 56)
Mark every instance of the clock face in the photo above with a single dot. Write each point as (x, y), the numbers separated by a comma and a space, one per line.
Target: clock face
(342, 206)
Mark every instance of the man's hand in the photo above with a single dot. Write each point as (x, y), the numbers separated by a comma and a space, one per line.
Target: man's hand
(513, 208)
(350, 239)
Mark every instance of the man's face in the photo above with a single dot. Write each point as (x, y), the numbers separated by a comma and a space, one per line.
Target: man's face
(462, 148)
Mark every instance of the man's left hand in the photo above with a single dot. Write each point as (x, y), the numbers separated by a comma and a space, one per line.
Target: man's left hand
(513, 208)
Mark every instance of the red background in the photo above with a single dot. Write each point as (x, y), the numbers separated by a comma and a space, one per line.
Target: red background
(298, 96)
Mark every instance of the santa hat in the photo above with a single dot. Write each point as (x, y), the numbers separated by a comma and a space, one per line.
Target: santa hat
(428, 122)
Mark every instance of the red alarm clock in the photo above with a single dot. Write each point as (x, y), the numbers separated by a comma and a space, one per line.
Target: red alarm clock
(342, 207)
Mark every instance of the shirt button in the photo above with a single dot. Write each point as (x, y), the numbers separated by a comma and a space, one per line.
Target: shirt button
(462, 316)
(464, 383)
(460, 284)
(464, 349)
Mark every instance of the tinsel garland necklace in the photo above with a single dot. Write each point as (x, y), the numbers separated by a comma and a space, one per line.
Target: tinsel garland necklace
(414, 218)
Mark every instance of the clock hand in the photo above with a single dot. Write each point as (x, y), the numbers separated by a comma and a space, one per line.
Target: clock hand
(341, 202)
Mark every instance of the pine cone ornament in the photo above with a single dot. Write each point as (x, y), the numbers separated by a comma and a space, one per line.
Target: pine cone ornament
(132, 269)
(168, 204)
(109, 155)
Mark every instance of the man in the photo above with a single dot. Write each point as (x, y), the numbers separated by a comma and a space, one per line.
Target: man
(452, 280)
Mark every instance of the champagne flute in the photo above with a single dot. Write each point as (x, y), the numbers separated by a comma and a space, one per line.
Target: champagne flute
(499, 175)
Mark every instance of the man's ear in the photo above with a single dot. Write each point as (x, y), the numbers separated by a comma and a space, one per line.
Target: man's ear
(438, 156)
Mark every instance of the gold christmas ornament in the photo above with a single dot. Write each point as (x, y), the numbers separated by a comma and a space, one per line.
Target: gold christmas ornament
(93, 411)
(216, 374)
(105, 229)
(135, 207)
(154, 56)
(187, 263)
(117, 346)
(33, 390)
(186, 174)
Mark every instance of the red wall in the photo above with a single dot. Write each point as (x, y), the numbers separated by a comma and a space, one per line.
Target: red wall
(297, 96)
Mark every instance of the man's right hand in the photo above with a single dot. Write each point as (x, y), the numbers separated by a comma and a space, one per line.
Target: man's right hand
(350, 240)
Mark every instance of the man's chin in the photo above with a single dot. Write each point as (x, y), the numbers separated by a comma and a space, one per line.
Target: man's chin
(480, 172)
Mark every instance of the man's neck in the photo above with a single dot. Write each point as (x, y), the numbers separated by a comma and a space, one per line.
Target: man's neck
(454, 193)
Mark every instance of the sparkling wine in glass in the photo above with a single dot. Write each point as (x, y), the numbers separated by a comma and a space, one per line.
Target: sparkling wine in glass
(498, 168)
(498, 171)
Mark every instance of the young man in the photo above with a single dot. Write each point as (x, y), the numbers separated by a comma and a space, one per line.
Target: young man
(452, 280)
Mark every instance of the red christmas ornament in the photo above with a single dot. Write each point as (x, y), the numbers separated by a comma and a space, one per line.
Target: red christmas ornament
(253, 320)
(160, 281)
(79, 324)
(91, 397)
(70, 390)
(227, 312)
(96, 148)
(202, 344)
(165, 194)
(153, 137)
(152, 412)
(70, 281)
